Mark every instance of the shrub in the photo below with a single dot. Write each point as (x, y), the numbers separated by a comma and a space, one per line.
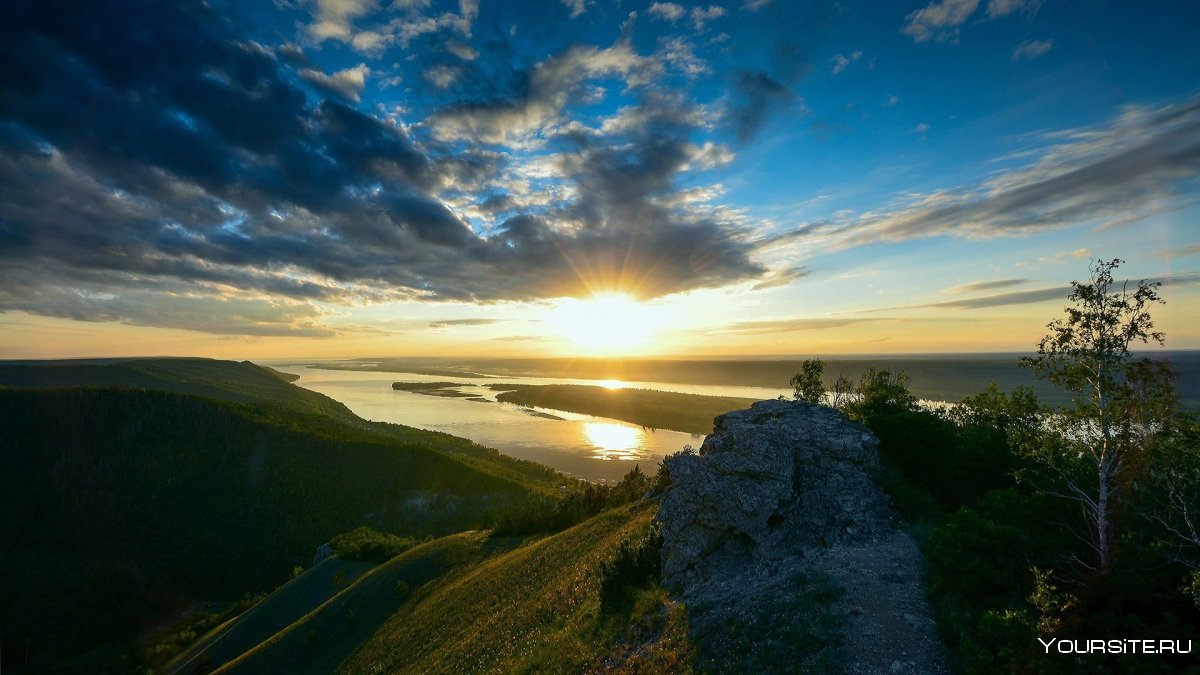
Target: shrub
(368, 545)
(636, 564)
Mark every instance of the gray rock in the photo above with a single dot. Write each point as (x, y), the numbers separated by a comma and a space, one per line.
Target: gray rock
(780, 504)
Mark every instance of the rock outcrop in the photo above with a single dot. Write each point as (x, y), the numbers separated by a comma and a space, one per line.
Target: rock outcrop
(787, 551)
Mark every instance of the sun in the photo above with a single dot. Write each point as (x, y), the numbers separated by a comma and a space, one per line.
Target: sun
(606, 324)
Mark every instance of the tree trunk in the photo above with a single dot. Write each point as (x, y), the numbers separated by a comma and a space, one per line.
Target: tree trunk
(1103, 518)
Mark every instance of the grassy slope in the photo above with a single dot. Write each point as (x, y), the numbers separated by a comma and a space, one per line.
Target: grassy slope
(689, 413)
(491, 607)
(274, 613)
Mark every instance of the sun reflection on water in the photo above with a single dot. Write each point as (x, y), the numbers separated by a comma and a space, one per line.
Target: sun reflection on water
(612, 384)
(613, 441)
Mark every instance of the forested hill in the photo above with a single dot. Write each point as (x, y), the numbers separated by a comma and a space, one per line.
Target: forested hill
(124, 504)
(241, 382)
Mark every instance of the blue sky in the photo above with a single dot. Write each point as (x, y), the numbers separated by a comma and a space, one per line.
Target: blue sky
(350, 177)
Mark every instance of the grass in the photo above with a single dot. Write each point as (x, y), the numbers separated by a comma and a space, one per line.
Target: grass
(472, 602)
(689, 413)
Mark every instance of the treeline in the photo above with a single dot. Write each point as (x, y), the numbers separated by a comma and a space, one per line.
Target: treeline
(124, 504)
(576, 504)
(689, 413)
(1046, 523)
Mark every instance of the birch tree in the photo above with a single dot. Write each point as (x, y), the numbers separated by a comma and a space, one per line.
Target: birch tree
(1119, 402)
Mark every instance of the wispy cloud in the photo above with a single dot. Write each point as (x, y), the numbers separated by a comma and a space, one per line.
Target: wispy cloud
(790, 325)
(1143, 160)
(347, 84)
(977, 286)
(462, 322)
(1031, 49)
(938, 20)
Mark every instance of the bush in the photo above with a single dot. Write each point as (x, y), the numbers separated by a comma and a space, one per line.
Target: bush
(364, 544)
(636, 564)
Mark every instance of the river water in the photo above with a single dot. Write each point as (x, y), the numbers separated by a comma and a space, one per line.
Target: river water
(593, 448)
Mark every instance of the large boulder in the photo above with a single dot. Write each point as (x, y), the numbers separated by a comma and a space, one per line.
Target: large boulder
(770, 482)
(788, 553)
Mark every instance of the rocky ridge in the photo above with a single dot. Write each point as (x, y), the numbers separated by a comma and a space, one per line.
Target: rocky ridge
(788, 553)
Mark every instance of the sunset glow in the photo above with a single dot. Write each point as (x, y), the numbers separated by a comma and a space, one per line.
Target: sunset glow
(606, 325)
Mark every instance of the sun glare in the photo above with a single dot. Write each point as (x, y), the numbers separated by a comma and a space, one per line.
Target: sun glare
(613, 441)
(606, 324)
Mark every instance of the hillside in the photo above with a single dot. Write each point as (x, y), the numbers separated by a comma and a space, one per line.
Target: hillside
(239, 382)
(127, 503)
(473, 603)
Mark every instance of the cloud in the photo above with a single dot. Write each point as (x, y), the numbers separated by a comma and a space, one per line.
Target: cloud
(790, 325)
(840, 63)
(938, 20)
(1031, 49)
(347, 84)
(1004, 299)
(701, 16)
(542, 94)
(1190, 249)
(976, 286)
(463, 51)
(999, 8)
(668, 11)
(782, 277)
(758, 96)
(332, 18)
(1142, 160)
(441, 76)
(462, 322)
(1064, 256)
(754, 5)
(577, 7)
(207, 189)
(1057, 293)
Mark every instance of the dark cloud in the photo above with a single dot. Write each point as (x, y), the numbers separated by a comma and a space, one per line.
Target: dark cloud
(154, 166)
(976, 286)
(790, 34)
(1002, 299)
(757, 97)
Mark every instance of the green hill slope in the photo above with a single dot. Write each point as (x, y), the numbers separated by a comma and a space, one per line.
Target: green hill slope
(480, 604)
(122, 504)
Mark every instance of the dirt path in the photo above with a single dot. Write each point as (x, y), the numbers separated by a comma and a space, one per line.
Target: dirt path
(888, 626)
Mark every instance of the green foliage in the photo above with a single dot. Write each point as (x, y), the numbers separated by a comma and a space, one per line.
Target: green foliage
(369, 545)
(806, 384)
(689, 413)
(1120, 403)
(635, 565)
(585, 500)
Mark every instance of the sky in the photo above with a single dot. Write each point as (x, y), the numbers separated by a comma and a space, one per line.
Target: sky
(356, 178)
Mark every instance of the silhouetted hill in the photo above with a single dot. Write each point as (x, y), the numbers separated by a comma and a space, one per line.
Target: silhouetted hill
(123, 503)
(240, 382)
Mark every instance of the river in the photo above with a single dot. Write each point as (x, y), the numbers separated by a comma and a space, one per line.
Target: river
(592, 448)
